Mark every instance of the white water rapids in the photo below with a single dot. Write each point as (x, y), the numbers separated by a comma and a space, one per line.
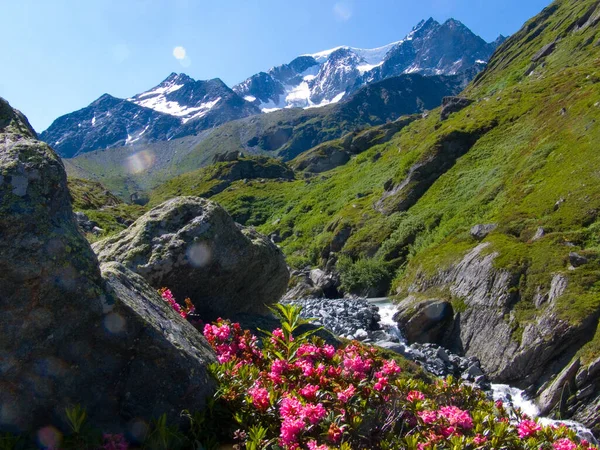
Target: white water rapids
(509, 395)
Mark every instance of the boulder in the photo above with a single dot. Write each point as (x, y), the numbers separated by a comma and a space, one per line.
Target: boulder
(424, 321)
(481, 231)
(453, 104)
(193, 247)
(577, 260)
(68, 334)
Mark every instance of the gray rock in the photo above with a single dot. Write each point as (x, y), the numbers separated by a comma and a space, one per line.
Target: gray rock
(67, 333)
(481, 231)
(594, 368)
(361, 334)
(582, 376)
(544, 51)
(193, 247)
(323, 280)
(551, 395)
(585, 392)
(424, 321)
(474, 371)
(441, 354)
(577, 260)
(539, 233)
(453, 104)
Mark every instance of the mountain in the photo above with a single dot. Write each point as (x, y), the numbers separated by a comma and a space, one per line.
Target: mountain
(284, 133)
(107, 122)
(179, 106)
(490, 211)
(326, 77)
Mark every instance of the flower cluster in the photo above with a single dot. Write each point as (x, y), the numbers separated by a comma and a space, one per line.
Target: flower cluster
(232, 343)
(114, 442)
(298, 392)
(168, 297)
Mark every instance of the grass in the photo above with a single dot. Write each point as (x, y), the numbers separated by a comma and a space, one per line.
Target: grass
(534, 163)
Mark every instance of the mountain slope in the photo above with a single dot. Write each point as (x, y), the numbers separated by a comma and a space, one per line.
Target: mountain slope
(326, 77)
(284, 133)
(493, 211)
(107, 122)
(179, 106)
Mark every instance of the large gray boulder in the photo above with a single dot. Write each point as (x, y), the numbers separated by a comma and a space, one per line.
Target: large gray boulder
(424, 321)
(68, 333)
(193, 247)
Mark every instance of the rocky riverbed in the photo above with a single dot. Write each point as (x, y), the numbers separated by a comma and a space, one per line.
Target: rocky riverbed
(370, 321)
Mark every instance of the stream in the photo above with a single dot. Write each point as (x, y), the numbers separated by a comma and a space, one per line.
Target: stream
(510, 396)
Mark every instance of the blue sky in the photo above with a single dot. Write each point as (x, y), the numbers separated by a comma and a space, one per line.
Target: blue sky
(60, 55)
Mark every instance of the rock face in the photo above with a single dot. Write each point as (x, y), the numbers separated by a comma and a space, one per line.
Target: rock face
(68, 334)
(532, 358)
(400, 196)
(193, 247)
(332, 154)
(481, 231)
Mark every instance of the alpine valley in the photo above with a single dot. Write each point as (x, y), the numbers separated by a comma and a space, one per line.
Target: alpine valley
(458, 178)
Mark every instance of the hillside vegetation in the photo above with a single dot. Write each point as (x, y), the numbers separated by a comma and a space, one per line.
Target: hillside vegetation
(523, 156)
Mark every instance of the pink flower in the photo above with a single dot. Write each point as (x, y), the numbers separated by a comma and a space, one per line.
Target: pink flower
(306, 366)
(313, 445)
(381, 384)
(413, 396)
(290, 408)
(260, 397)
(290, 429)
(278, 333)
(457, 416)
(307, 350)
(346, 394)
(528, 428)
(314, 413)
(448, 431)
(479, 439)
(390, 367)
(428, 417)
(328, 351)
(278, 368)
(309, 391)
(564, 444)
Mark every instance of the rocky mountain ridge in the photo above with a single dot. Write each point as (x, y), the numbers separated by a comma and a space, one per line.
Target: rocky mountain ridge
(285, 133)
(326, 77)
(178, 106)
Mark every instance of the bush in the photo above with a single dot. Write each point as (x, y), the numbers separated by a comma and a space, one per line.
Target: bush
(364, 275)
(297, 392)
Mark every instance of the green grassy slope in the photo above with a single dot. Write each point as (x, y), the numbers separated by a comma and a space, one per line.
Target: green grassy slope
(102, 207)
(523, 156)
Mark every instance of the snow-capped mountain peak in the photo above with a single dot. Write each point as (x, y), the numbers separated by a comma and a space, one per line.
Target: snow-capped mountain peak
(178, 106)
(324, 77)
(195, 102)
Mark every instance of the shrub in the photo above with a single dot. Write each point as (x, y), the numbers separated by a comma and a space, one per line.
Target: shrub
(297, 392)
(363, 275)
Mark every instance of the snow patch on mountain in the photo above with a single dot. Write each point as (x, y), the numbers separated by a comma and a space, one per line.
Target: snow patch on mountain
(321, 78)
